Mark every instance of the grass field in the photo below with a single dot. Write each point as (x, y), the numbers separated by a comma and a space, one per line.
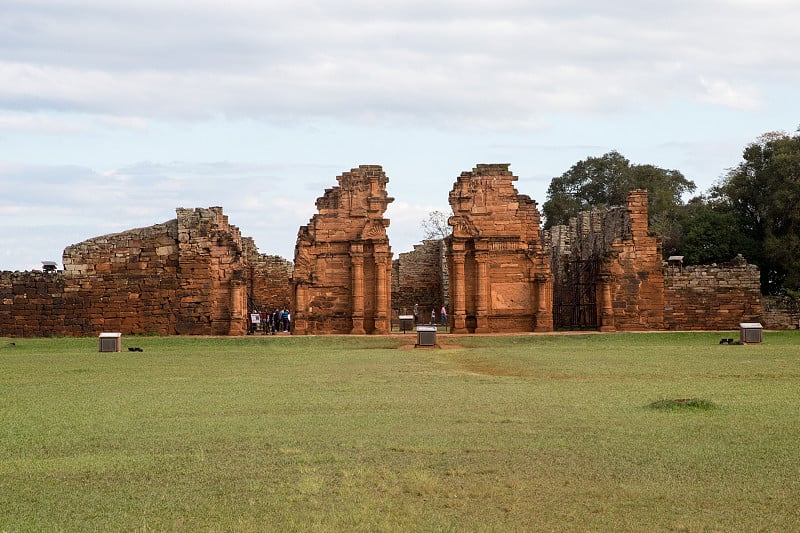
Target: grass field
(494, 433)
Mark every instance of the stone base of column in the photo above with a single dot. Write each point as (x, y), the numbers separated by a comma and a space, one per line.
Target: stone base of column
(543, 322)
(382, 326)
(607, 322)
(358, 327)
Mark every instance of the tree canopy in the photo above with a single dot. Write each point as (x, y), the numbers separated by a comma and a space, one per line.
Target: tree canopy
(763, 193)
(606, 180)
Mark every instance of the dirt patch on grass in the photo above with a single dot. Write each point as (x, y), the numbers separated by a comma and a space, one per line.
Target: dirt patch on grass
(438, 346)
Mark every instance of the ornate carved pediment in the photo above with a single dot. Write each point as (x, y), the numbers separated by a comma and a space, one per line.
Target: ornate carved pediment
(374, 230)
(462, 227)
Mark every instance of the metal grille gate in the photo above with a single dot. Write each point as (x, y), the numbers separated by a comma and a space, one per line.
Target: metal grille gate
(575, 294)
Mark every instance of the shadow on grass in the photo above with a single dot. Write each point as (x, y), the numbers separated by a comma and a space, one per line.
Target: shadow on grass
(683, 404)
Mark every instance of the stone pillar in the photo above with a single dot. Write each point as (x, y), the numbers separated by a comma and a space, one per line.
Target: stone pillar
(357, 273)
(543, 318)
(482, 284)
(459, 296)
(238, 317)
(299, 312)
(606, 303)
(383, 275)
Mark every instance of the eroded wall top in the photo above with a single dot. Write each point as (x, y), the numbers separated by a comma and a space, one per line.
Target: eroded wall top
(486, 205)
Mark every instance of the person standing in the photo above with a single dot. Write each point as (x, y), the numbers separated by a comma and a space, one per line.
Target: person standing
(433, 316)
(443, 314)
(276, 321)
(285, 319)
(416, 314)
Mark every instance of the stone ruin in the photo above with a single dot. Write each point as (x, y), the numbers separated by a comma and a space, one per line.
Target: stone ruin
(343, 261)
(420, 278)
(500, 277)
(608, 270)
(194, 275)
(497, 272)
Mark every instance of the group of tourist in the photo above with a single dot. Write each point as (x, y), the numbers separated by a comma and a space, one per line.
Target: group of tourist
(442, 315)
(269, 323)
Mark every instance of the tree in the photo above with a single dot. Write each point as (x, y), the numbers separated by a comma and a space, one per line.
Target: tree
(435, 226)
(605, 181)
(710, 233)
(594, 182)
(763, 191)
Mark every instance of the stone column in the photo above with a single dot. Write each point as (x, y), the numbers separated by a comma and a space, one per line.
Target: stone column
(238, 316)
(382, 312)
(543, 318)
(459, 296)
(299, 311)
(357, 281)
(482, 284)
(606, 303)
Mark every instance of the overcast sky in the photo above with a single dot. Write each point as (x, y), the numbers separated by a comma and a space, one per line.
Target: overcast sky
(114, 113)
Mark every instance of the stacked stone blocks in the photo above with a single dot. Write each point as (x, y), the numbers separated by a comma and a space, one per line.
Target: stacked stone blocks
(499, 276)
(343, 261)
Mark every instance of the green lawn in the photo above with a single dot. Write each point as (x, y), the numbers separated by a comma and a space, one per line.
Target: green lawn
(494, 433)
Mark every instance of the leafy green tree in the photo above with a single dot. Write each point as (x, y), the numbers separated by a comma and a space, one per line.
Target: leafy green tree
(710, 233)
(605, 181)
(764, 193)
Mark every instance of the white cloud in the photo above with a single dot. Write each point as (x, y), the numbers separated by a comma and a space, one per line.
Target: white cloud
(721, 92)
(444, 63)
(256, 106)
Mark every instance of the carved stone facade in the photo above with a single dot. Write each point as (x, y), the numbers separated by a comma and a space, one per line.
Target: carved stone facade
(499, 274)
(343, 261)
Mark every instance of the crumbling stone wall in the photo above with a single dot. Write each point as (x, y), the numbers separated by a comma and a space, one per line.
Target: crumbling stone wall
(629, 287)
(419, 277)
(780, 312)
(711, 297)
(343, 262)
(636, 290)
(125, 280)
(185, 276)
(269, 286)
(36, 304)
(499, 275)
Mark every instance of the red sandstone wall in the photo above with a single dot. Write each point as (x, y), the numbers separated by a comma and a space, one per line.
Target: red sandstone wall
(35, 304)
(418, 278)
(629, 283)
(638, 286)
(269, 286)
(499, 275)
(125, 281)
(711, 297)
(343, 262)
(187, 276)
